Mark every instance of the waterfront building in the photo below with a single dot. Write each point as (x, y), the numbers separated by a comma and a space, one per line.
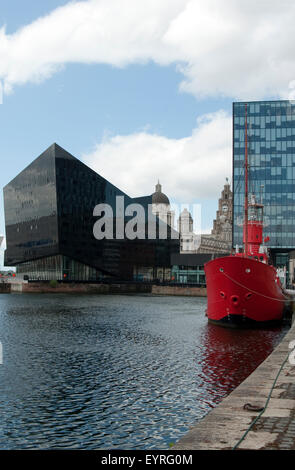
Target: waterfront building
(188, 268)
(222, 225)
(271, 154)
(185, 226)
(212, 244)
(220, 239)
(49, 224)
(161, 206)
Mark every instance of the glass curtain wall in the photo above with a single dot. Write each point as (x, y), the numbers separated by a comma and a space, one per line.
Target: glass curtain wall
(271, 151)
(60, 268)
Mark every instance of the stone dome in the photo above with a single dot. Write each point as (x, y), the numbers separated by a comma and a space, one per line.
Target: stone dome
(158, 197)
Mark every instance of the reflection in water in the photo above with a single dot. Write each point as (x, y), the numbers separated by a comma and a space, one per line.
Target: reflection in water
(229, 356)
(126, 372)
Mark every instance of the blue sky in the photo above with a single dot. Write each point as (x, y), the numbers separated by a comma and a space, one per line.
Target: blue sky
(145, 86)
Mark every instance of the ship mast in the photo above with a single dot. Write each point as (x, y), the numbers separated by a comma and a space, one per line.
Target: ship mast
(246, 185)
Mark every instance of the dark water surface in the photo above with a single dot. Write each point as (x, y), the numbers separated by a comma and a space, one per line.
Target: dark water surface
(127, 372)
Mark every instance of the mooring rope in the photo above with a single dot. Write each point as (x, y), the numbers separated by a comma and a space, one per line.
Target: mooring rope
(255, 292)
(265, 406)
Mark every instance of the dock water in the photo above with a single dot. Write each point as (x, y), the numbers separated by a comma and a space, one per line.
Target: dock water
(270, 390)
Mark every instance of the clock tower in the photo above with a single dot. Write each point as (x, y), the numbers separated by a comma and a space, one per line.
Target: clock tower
(222, 225)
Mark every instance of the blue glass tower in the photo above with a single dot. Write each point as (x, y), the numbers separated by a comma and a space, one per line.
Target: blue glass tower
(271, 154)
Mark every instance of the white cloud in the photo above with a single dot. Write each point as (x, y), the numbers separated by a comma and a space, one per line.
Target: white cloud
(228, 47)
(188, 168)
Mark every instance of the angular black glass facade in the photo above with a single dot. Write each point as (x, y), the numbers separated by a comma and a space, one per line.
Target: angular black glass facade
(49, 223)
(271, 151)
(31, 217)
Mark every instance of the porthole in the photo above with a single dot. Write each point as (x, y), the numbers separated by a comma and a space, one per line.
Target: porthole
(235, 300)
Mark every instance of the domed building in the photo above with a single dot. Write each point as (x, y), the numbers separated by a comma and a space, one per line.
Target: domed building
(161, 206)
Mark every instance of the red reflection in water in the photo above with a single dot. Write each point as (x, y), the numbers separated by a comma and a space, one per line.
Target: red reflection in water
(230, 355)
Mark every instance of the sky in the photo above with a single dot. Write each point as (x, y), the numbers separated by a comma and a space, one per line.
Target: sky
(139, 90)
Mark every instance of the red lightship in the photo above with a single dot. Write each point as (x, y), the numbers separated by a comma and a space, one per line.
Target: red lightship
(243, 289)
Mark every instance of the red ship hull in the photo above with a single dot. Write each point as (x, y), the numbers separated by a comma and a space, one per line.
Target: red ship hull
(243, 292)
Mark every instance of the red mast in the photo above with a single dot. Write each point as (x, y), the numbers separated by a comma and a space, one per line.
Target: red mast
(246, 186)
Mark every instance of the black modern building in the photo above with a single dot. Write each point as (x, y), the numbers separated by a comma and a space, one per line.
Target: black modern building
(49, 224)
